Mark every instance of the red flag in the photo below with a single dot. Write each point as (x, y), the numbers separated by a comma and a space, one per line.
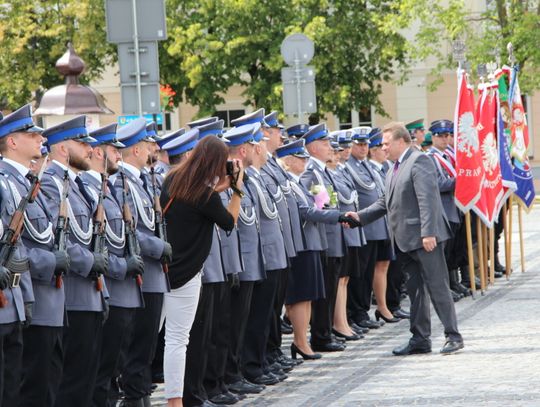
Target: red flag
(469, 169)
(487, 207)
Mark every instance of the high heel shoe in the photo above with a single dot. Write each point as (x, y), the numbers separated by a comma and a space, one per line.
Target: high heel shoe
(392, 320)
(305, 356)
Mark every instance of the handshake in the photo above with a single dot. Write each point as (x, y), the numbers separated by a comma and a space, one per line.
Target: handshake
(349, 220)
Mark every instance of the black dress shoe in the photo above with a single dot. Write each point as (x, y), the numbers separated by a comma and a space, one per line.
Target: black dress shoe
(369, 323)
(337, 339)
(132, 403)
(295, 350)
(225, 398)
(455, 296)
(284, 360)
(265, 379)
(280, 374)
(245, 387)
(328, 347)
(379, 315)
(402, 314)
(353, 337)
(498, 274)
(358, 329)
(409, 349)
(451, 347)
(279, 368)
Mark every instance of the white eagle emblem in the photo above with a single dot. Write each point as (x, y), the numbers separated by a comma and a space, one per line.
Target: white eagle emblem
(490, 155)
(467, 140)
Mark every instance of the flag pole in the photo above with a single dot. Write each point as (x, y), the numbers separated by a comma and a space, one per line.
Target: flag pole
(470, 252)
(492, 255)
(480, 244)
(485, 253)
(509, 242)
(521, 246)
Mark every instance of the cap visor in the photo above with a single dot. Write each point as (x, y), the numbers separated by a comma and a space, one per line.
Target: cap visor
(35, 129)
(87, 139)
(117, 144)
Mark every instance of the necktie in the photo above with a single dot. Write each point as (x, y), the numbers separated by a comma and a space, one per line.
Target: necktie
(396, 166)
(83, 191)
(144, 179)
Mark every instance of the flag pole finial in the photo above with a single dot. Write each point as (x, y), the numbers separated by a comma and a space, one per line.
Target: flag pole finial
(511, 56)
(458, 51)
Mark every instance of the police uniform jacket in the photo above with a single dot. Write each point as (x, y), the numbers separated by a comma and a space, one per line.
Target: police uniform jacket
(370, 188)
(213, 266)
(81, 293)
(269, 174)
(447, 185)
(123, 290)
(230, 243)
(141, 204)
(271, 228)
(316, 175)
(38, 240)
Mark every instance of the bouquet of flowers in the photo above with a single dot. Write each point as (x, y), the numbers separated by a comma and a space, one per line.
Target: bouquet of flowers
(324, 197)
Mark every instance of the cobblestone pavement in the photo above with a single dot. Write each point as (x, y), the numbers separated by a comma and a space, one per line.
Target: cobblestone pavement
(498, 367)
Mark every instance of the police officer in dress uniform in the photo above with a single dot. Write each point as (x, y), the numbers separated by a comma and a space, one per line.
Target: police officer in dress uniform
(417, 132)
(86, 304)
(19, 142)
(317, 175)
(241, 146)
(125, 294)
(136, 374)
(370, 187)
(42, 353)
(163, 164)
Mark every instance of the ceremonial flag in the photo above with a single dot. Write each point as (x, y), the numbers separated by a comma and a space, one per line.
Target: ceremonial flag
(469, 169)
(492, 194)
(520, 143)
(503, 135)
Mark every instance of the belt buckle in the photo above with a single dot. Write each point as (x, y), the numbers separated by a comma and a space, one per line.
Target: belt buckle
(16, 279)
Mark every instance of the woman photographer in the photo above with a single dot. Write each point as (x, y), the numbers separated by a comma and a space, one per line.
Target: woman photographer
(192, 206)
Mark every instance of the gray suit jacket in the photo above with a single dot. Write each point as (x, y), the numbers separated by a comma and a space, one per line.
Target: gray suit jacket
(271, 228)
(49, 304)
(124, 292)
(413, 211)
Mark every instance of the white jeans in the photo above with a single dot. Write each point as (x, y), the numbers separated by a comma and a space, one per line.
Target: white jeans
(179, 306)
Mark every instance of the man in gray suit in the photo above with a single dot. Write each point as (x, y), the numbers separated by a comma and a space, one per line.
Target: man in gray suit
(418, 228)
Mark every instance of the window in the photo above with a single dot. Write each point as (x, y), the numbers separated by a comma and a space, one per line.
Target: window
(345, 122)
(356, 118)
(229, 115)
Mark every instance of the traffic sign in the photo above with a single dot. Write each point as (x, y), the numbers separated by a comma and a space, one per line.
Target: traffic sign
(148, 62)
(150, 98)
(158, 118)
(297, 48)
(151, 25)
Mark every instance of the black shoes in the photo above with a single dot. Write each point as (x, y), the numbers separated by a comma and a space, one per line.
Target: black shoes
(285, 360)
(353, 337)
(225, 398)
(245, 387)
(358, 329)
(392, 320)
(369, 323)
(328, 347)
(265, 379)
(452, 347)
(295, 351)
(409, 349)
(402, 314)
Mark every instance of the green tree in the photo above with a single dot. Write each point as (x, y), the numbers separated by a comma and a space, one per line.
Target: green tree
(214, 44)
(34, 34)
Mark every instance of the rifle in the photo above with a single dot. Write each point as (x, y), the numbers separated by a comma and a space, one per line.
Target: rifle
(98, 232)
(161, 224)
(132, 245)
(62, 224)
(13, 232)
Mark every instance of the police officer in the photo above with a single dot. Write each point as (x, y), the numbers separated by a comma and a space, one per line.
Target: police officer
(125, 294)
(85, 302)
(417, 132)
(370, 188)
(20, 141)
(163, 164)
(317, 176)
(136, 374)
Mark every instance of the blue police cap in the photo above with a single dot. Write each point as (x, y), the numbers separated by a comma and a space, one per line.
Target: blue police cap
(201, 122)
(361, 134)
(441, 126)
(258, 135)
(44, 150)
(297, 131)
(335, 146)
(72, 129)
(295, 148)
(212, 128)
(241, 135)
(317, 132)
(271, 120)
(106, 135)
(254, 117)
(19, 120)
(133, 132)
(181, 144)
(345, 138)
(151, 129)
(169, 136)
(375, 137)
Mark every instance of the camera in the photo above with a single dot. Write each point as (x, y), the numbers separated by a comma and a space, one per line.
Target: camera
(229, 168)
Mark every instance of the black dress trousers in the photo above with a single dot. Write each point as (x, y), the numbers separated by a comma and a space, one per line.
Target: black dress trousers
(360, 286)
(274, 339)
(115, 338)
(322, 317)
(137, 372)
(82, 347)
(394, 281)
(240, 308)
(43, 356)
(254, 362)
(11, 350)
(197, 348)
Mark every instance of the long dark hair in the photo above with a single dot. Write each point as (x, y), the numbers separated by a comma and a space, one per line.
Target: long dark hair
(192, 180)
